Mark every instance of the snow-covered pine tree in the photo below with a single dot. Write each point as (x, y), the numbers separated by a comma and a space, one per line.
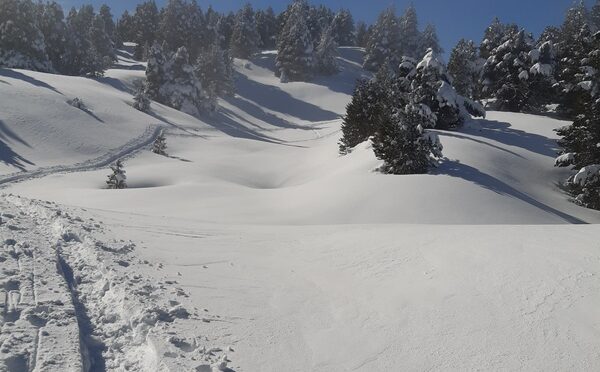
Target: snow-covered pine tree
(581, 150)
(343, 28)
(505, 75)
(159, 146)
(494, 36)
(295, 52)
(173, 25)
(431, 85)
(541, 76)
(214, 68)
(124, 28)
(384, 41)
(403, 142)
(429, 40)
(464, 67)
(81, 57)
(51, 23)
(410, 37)
(117, 179)
(245, 39)
(362, 34)
(575, 51)
(155, 71)
(141, 101)
(109, 23)
(362, 113)
(101, 43)
(21, 41)
(144, 27)
(326, 53)
(226, 29)
(595, 15)
(181, 89)
(266, 25)
(171, 80)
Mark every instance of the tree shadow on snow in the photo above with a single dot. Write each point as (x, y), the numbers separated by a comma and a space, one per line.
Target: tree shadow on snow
(468, 173)
(277, 100)
(115, 83)
(460, 136)
(28, 79)
(503, 133)
(7, 155)
(228, 122)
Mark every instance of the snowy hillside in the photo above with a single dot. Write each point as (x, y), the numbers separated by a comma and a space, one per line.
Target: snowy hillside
(257, 245)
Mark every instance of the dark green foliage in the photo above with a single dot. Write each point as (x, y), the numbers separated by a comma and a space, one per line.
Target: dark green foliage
(359, 123)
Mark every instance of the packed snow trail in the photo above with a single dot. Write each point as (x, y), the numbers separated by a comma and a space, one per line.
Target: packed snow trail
(72, 302)
(129, 149)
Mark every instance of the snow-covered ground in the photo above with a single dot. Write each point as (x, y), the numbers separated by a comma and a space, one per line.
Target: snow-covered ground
(255, 245)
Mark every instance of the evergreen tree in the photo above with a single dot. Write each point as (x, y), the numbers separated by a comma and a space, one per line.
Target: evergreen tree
(171, 80)
(429, 40)
(574, 70)
(21, 41)
(327, 53)
(226, 29)
(464, 69)
(101, 44)
(173, 25)
(384, 41)
(362, 34)
(125, 28)
(214, 68)
(431, 86)
(295, 53)
(266, 25)
(144, 29)
(495, 35)
(362, 113)
(53, 28)
(109, 23)
(245, 39)
(403, 142)
(82, 56)
(160, 145)
(581, 150)
(595, 16)
(343, 29)
(506, 73)
(117, 179)
(141, 101)
(410, 37)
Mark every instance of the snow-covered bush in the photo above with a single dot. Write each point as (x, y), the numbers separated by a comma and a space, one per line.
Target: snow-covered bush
(117, 179)
(159, 146)
(77, 103)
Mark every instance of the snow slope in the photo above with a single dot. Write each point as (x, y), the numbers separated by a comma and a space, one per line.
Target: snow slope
(312, 261)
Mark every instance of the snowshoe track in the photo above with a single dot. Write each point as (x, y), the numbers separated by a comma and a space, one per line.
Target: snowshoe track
(70, 302)
(130, 148)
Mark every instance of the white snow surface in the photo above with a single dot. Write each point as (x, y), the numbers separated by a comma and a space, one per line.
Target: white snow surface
(254, 246)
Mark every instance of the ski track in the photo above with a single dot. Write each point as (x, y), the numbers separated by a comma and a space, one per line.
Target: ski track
(71, 302)
(127, 150)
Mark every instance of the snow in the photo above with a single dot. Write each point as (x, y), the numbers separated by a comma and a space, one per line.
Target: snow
(542, 69)
(255, 246)
(587, 173)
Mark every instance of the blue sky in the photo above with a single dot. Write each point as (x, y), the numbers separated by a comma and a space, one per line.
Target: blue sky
(454, 19)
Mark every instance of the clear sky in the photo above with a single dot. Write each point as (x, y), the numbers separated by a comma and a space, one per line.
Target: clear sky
(454, 19)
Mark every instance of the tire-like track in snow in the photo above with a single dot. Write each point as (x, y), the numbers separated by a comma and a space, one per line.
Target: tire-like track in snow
(128, 149)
